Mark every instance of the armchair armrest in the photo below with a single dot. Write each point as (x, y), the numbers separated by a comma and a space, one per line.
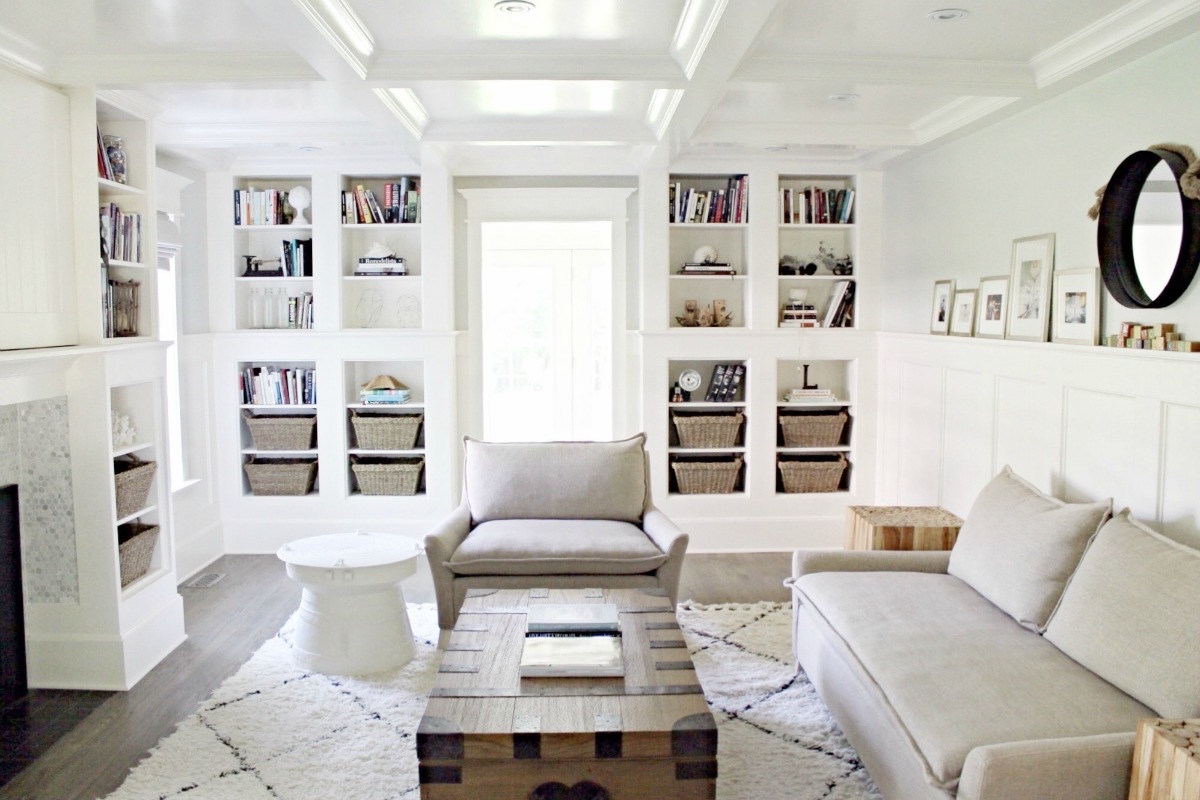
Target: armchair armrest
(805, 562)
(1096, 767)
(668, 537)
(440, 544)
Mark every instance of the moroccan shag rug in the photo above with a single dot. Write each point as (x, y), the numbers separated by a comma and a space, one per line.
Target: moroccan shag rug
(275, 731)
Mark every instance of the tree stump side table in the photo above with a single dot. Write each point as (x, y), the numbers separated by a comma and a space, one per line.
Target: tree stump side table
(900, 528)
(1166, 760)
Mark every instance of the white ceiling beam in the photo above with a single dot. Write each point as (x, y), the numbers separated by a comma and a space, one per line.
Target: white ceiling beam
(190, 68)
(222, 135)
(396, 69)
(766, 134)
(539, 130)
(1008, 78)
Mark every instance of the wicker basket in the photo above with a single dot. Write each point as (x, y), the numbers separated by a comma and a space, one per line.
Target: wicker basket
(813, 430)
(386, 431)
(136, 544)
(715, 430)
(707, 477)
(281, 431)
(281, 476)
(388, 475)
(812, 474)
(132, 479)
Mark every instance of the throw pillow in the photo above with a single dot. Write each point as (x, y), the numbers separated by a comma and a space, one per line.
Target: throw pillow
(1018, 546)
(1129, 615)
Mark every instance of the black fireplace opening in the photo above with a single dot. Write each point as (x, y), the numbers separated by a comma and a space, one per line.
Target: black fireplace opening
(14, 680)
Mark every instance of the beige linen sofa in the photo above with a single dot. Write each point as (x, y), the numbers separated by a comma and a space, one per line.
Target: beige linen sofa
(555, 515)
(1014, 667)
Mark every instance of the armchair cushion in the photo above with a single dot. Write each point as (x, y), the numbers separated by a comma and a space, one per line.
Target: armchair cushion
(556, 480)
(556, 547)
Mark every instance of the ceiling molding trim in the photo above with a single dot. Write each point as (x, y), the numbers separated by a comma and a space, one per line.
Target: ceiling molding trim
(955, 115)
(770, 134)
(476, 66)
(564, 130)
(1107, 36)
(342, 28)
(1009, 78)
(221, 135)
(21, 56)
(405, 106)
(185, 68)
(695, 30)
(131, 101)
(661, 109)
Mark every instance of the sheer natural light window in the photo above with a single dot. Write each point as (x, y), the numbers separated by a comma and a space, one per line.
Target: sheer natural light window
(547, 330)
(168, 331)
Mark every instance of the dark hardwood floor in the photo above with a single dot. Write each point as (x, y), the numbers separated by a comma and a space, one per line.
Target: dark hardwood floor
(226, 623)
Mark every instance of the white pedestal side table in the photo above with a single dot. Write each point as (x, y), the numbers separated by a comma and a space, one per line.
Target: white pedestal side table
(352, 617)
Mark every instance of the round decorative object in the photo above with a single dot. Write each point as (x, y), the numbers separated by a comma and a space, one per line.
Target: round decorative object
(1114, 238)
(705, 254)
(689, 380)
(299, 198)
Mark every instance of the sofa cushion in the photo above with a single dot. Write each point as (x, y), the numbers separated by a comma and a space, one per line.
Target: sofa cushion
(556, 547)
(954, 670)
(556, 480)
(1129, 615)
(1018, 546)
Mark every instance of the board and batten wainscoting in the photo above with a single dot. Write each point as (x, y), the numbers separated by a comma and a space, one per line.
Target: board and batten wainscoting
(1079, 422)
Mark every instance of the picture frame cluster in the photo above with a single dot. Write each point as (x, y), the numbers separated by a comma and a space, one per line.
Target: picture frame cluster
(1035, 302)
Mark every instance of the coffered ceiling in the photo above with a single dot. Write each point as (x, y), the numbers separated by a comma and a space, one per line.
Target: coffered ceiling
(590, 86)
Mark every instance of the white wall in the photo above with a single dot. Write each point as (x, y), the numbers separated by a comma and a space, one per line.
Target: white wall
(1080, 422)
(954, 212)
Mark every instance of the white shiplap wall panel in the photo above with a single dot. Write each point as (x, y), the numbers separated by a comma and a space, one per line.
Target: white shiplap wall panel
(1029, 430)
(968, 438)
(920, 435)
(1180, 512)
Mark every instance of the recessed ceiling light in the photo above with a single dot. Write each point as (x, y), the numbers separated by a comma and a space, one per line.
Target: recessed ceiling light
(843, 97)
(309, 148)
(775, 148)
(947, 14)
(515, 6)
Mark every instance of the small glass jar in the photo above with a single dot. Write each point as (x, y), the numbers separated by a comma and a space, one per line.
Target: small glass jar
(115, 146)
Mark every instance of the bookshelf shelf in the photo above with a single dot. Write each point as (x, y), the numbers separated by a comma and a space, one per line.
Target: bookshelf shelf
(113, 188)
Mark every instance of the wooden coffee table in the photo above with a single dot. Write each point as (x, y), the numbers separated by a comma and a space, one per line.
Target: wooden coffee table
(487, 732)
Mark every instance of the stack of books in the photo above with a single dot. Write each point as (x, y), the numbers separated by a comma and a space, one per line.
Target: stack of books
(707, 268)
(809, 396)
(799, 315)
(385, 265)
(384, 390)
(572, 641)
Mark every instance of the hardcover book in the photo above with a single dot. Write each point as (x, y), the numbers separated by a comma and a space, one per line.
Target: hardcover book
(576, 618)
(572, 657)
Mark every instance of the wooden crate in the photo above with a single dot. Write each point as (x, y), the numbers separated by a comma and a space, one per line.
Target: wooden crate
(487, 732)
(900, 528)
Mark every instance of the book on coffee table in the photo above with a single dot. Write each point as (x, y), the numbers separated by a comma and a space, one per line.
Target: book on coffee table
(577, 618)
(572, 657)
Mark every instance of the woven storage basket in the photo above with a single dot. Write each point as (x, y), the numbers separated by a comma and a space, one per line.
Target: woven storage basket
(813, 430)
(136, 545)
(388, 476)
(386, 431)
(707, 477)
(715, 430)
(281, 431)
(281, 476)
(132, 479)
(811, 475)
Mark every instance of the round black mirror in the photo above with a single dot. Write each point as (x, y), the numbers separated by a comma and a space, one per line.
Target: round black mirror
(1139, 223)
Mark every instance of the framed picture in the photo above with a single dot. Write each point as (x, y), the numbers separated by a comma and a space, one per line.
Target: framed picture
(1029, 284)
(992, 307)
(939, 315)
(962, 313)
(1076, 306)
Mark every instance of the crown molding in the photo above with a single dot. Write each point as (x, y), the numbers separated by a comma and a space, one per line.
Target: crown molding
(1110, 35)
(21, 56)
(697, 23)
(289, 134)
(568, 66)
(766, 134)
(565, 130)
(1008, 78)
(661, 109)
(184, 68)
(955, 115)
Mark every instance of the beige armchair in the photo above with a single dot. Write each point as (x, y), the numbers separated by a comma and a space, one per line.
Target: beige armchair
(553, 514)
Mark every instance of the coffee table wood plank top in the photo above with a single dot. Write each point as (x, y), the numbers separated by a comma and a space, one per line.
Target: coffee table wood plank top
(487, 732)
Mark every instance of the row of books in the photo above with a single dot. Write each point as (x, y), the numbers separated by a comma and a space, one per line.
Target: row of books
(120, 234)
(815, 206)
(724, 383)
(840, 311)
(401, 203)
(279, 386)
(261, 207)
(299, 312)
(296, 258)
(710, 205)
(572, 641)
(120, 308)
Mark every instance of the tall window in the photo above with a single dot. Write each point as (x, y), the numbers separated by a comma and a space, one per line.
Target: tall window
(547, 330)
(168, 331)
